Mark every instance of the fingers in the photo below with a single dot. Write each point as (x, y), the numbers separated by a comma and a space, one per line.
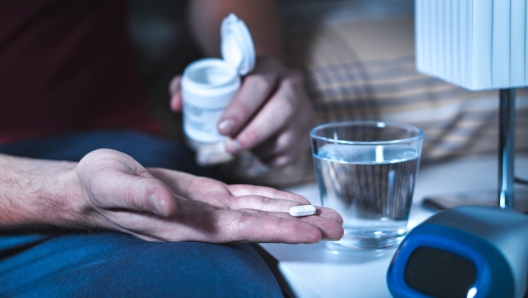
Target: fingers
(291, 141)
(179, 182)
(279, 144)
(174, 91)
(267, 199)
(330, 214)
(261, 203)
(196, 221)
(329, 228)
(256, 227)
(239, 190)
(287, 146)
(257, 87)
(221, 226)
(274, 115)
(322, 212)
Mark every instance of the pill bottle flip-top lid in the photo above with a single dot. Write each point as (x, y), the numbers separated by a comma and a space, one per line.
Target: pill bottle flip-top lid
(237, 45)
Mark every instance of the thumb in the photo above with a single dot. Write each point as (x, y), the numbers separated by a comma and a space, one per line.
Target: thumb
(142, 193)
(174, 90)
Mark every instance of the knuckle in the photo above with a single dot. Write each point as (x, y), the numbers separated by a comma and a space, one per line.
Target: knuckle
(313, 237)
(284, 141)
(282, 161)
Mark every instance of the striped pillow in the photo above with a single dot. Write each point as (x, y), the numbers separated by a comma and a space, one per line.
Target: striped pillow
(362, 68)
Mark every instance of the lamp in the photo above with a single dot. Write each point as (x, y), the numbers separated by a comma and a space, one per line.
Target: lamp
(478, 45)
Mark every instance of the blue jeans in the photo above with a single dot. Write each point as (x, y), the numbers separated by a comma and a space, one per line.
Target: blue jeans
(59, 263)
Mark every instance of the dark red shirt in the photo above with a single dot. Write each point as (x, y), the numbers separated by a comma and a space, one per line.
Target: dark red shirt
(67, 66)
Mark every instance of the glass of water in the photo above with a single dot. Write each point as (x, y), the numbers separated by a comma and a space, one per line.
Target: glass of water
(366, 171)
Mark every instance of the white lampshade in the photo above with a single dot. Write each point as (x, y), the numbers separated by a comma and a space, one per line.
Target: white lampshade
(475, 44)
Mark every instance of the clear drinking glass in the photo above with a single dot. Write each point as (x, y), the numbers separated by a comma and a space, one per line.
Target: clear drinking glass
(366, 171)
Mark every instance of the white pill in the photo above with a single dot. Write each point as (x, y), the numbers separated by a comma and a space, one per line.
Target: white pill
(303, 210)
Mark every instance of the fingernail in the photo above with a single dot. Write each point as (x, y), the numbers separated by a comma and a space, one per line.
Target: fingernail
(225, 127)
(233, 146)
(155, 205)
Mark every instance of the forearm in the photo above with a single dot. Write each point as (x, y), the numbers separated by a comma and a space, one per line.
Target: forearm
(261, 17)
(36, 193)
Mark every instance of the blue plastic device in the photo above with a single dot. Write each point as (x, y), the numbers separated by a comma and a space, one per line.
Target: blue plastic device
(468, 252)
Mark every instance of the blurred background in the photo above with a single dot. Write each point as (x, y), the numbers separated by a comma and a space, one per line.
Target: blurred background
(358, 60)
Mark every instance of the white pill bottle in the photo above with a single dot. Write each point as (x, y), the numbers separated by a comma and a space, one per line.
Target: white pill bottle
(208, 85)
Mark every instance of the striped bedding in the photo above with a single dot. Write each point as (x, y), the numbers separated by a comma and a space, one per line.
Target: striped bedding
(362, 67)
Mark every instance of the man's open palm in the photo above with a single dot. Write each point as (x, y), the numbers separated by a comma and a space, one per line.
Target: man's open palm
(164, 205)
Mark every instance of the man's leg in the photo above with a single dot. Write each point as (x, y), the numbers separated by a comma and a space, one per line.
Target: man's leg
(117, 265)
(104, 264)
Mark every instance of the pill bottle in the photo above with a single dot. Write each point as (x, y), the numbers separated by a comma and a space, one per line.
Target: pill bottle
(208, 85)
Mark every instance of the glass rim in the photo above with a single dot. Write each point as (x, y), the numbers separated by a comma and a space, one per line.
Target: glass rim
(380, 124)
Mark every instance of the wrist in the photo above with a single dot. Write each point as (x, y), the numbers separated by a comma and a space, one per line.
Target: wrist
(38, 193)
(61, 196)
(77, 213)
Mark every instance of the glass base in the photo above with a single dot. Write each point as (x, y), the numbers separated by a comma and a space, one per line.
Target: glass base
(368, 239)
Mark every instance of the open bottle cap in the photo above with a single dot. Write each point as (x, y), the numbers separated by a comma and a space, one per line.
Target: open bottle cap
(237, 45)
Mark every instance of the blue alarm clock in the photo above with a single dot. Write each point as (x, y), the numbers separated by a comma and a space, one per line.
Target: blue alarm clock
(469, 252)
